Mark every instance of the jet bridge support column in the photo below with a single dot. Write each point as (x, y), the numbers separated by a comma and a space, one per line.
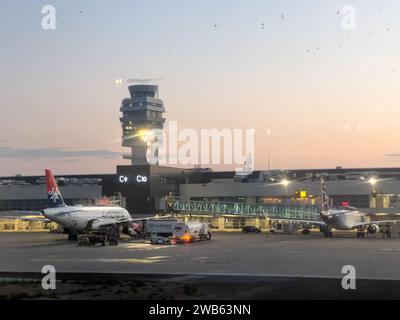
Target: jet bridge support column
(221, 222)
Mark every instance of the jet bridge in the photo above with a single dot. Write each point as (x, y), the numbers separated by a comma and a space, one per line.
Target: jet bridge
(276, 212)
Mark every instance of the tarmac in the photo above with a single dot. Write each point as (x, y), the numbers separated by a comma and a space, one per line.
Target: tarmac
(231, 266)
(225, 254)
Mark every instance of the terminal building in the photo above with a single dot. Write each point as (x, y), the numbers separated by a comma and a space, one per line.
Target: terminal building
(144, 189)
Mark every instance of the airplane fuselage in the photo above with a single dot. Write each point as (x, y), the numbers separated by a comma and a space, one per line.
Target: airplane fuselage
(342, 219)
(77, 218)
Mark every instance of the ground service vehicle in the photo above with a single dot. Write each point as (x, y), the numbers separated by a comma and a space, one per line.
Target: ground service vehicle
(162, 240)
(92, 239)
(247, 229)
(180, 231)
(160, 227)
(192, 231)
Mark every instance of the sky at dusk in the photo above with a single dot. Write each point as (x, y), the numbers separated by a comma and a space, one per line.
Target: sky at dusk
(328, 96)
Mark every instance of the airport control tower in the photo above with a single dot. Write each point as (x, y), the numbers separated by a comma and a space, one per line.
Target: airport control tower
(141, 113)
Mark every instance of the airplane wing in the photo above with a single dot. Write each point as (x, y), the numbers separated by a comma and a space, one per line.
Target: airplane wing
(313, 222)
(114, 223)
(378, 222)
(101, 223)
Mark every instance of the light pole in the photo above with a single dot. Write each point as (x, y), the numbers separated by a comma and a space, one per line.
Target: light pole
(268, 151)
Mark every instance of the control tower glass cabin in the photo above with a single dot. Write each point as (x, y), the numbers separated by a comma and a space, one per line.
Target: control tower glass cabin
(141, 113)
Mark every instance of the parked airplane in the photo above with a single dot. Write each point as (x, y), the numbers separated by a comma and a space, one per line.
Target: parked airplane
(343, 218)
(79, 219)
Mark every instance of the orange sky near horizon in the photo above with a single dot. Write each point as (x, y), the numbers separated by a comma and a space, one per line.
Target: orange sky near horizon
(330, 97)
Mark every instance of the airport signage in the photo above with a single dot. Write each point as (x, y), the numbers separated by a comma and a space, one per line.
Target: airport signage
(141, 179)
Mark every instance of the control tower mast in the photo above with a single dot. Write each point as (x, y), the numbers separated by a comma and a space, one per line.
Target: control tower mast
(141, 113)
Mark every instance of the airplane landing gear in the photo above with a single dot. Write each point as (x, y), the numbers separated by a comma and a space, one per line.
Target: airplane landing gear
(72, 236)
(328, 234)
(327, 231)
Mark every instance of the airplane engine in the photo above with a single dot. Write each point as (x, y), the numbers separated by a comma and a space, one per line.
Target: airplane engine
(95, 225)
(129, 231)
(132, 230)
(373, 228)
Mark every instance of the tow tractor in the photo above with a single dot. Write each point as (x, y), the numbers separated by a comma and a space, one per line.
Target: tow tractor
(91, 239)
(155, 239)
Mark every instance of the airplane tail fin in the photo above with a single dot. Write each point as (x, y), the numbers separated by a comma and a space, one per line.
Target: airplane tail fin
(324, 197)
(54, 197)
